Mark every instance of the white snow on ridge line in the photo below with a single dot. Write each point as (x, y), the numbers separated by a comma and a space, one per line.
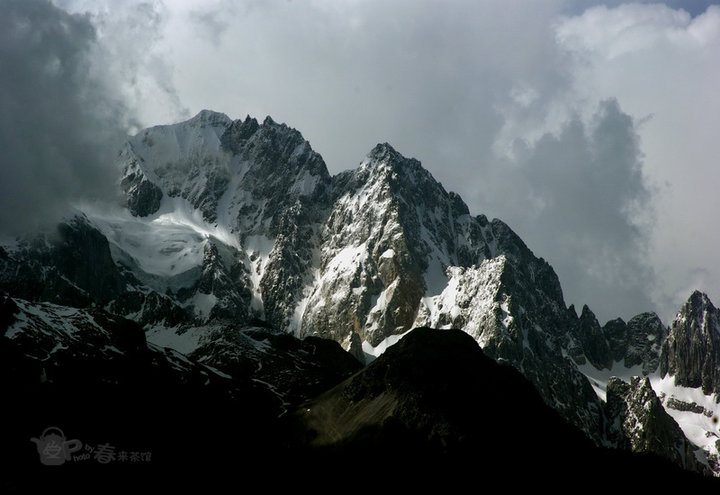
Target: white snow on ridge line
(469, 292)
(168, 143)
(372, 353)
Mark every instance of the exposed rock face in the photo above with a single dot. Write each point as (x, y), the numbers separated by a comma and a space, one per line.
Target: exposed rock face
(636, 342)
(691, 351)
(262, 183)
(143, 197)
(639, 423)
(433, 401)
(223, 284)
(645, 336)
(390, 235)
(512, 305)
(74, 266)
(680, 405)
(54, 340)
(591, 340)
(232, 223)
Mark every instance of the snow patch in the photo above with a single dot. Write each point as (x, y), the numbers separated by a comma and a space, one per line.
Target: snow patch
(203, 304)
(389, 253)
(699, 428)
(184, 343)
(468, 297)
(372, 353)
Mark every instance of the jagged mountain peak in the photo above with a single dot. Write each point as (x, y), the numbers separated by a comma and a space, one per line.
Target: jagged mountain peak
(587, 313)
(697, 305)
(221, 166)
(384, 152)
(238, 133)
(649, 317)
(389, 178)
(386, 162)
(691, 351)
(211, 117)
(699, 317)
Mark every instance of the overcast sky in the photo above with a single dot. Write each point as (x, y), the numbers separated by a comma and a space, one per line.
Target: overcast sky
(591, 128)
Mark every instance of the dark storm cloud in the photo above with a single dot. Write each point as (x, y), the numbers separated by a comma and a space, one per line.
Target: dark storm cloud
(582, 202)
(58, 124)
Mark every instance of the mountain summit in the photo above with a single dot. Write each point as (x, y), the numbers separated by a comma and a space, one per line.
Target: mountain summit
(234, 223)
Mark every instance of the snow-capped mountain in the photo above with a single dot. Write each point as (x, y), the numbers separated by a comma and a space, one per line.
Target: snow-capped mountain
(361, 257)
(658, 367)
(230, 226)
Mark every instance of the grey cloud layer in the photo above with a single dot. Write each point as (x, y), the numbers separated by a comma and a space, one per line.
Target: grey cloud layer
(577, 197)
(58, 125)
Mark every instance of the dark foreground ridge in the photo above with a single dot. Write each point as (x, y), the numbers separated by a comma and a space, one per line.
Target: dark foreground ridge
(434, 408)
(431, 409)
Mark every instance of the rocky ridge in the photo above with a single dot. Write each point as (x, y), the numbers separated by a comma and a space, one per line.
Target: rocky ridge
(691, 352)
(641, 424)
(235, 221)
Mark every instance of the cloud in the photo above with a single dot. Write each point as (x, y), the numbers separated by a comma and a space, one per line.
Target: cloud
(601, 117)
(574, 196)
(129, 57)
(352, 74)
(58, 124)
(662, 63)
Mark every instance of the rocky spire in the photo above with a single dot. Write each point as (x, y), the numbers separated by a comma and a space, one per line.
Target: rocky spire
(691, 352)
